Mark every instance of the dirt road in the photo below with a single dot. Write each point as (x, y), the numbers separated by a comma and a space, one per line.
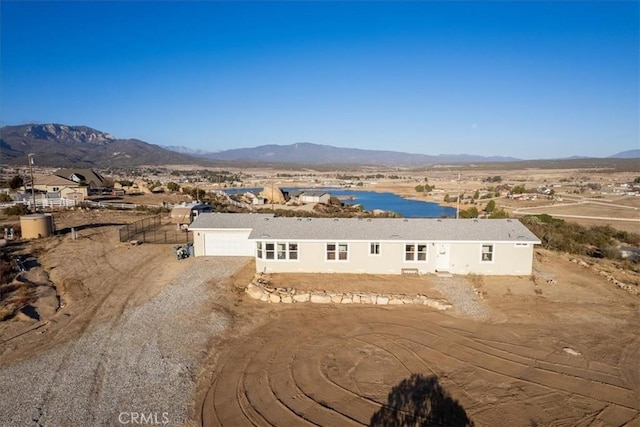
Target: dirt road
(130, 339)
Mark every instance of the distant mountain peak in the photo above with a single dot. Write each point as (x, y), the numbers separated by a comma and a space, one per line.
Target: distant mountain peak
(80, 146)
(67, 134)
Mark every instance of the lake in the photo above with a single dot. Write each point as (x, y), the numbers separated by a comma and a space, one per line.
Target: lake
(371, 200)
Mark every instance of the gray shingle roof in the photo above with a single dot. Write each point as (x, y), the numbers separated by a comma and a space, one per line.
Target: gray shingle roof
(314, 193)
(227, 220)
(429, 229)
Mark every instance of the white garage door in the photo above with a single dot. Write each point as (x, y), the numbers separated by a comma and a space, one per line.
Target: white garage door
(228, 243)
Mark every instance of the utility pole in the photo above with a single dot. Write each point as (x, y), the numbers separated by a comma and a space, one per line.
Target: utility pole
(33, 193)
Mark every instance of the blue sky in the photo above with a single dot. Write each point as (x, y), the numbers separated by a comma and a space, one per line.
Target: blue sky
(528, 80)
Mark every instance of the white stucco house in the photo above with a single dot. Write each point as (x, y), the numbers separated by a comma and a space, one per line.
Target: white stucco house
(313, 196)
(375, 246)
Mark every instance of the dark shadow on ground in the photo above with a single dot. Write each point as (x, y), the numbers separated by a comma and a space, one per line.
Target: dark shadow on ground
(420, 401)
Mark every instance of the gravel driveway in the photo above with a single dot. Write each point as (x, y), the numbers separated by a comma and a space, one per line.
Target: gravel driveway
(460, 293)
(138, 367)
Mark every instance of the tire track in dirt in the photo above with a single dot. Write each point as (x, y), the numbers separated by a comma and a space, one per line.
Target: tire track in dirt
(516, 366)
(292, 378)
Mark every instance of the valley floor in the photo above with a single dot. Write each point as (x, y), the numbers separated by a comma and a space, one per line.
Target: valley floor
(143, 333)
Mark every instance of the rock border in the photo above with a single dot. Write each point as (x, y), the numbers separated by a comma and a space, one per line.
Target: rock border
(260, 290)
(625, 286)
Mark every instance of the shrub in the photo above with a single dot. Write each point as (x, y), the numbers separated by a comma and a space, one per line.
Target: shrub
(491, 206)
(500, 214)
(15, 210)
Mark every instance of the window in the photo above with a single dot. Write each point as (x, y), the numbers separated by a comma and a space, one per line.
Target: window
(415, 252)
(277, 250)
(343, 251)
(282, 250)
(270, 250)
(422, 252)
(409, 252)
(293, 251)
(331, 251)
(374, 249)
(337, 251)
(487, 253)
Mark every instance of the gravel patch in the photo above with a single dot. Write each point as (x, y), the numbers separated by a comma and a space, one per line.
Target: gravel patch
(144, 363)
(460, 293)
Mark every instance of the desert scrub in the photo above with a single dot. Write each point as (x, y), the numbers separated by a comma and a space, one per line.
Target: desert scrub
(597, 241)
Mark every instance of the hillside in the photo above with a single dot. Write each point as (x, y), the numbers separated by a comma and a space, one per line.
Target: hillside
(80, 146)
(629, 154)
(316, 154)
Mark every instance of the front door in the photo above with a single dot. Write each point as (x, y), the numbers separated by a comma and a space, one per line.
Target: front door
(442, 257)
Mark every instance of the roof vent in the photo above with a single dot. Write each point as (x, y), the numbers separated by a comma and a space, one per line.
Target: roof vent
(299, 219)
(369, 219)
(335, 219)
(406, 220)
(439, 220)
(475, 220)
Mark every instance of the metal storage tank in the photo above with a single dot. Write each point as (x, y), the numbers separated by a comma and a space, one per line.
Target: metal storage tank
(36, 225)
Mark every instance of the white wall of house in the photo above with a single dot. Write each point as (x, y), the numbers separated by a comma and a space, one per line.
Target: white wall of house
(227, 242)
(304, 198)
(427, 257)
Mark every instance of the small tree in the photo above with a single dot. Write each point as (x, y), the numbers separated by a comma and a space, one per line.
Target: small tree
(491, 206)
(16, 182)
(172, 186)
(472, 212)
(476, 195)
(518, 189)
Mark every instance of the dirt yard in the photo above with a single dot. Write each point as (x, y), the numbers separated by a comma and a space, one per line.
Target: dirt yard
(560, 348)
(140, 332)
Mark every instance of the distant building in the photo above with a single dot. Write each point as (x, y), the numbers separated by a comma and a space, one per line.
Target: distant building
(57, 184)
(88, 177)
(183, 214)
(310, 196)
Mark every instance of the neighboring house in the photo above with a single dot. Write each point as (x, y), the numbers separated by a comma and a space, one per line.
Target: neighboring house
(184, 214)
(77, 196)
(376, 246)
(255, 200)
(88, 177)
(314, 196)
(57, 184)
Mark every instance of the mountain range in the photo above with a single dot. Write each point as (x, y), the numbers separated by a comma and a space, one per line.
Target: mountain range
(61, 145)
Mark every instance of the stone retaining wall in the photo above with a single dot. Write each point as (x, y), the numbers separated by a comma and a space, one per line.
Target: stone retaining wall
(632, 289)
(259, 289)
